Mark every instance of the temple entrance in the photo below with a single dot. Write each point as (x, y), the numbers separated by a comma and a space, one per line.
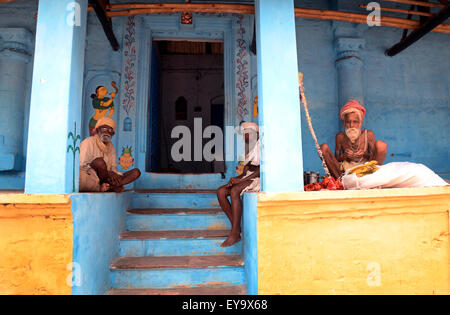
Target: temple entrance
(187, 94)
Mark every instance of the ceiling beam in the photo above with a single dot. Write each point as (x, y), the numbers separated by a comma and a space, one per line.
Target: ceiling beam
(410, 11)
(99, 7)
(420, 3)
(126, 9)
(417, 34)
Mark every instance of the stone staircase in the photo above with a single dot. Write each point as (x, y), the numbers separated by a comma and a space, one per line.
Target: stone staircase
(172, 246)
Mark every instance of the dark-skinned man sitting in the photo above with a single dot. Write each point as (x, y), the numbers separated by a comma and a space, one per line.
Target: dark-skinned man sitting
(354, 146)
(98, 161)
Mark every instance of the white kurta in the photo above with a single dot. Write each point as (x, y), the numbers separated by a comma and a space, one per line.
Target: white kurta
(252, 158)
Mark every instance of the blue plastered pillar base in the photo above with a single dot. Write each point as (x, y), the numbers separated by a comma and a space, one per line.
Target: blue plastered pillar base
(56, 97)
(279, 119)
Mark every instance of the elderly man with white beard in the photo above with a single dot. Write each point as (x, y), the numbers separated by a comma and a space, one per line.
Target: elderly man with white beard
(354, 146)
(98, 165)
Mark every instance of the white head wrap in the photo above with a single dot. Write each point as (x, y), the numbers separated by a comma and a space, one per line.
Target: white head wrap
(249, 126)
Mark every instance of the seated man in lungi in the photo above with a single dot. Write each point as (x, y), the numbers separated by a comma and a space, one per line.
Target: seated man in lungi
(247, 181)
(98, 162)
(354, 146)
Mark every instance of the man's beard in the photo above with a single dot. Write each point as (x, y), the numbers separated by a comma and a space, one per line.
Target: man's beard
(353, 133)
(105, 137)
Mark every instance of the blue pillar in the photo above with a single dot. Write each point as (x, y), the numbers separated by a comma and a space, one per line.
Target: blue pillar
(55, 109)
(15, 54)
(279, 117)
(350, 69)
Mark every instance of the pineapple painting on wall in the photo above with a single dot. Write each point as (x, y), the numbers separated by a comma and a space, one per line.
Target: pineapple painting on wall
(126, 160)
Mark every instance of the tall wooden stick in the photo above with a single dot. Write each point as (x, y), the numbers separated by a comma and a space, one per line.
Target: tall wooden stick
(308, 119)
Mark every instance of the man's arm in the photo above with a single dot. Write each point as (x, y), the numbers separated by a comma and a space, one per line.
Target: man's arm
(253, 175)
(371, 144)
(339, 146)
(114, 174)
(85, 155)
(234, 180)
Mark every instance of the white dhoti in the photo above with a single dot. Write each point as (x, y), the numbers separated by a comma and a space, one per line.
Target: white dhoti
(254, 185)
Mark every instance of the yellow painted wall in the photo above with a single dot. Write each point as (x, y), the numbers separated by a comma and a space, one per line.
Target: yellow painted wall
(35, 244)
(392, 241)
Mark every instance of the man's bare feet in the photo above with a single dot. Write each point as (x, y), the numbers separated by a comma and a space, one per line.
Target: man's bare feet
(231, 240)
(104, 187)
(118, 189)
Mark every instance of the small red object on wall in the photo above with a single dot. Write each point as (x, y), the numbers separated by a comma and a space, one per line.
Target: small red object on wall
(186, 18)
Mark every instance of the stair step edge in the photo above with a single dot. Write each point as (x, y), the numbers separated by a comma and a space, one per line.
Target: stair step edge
(199, 290)
(159, 211)
(174, 234)
(174, 191)
(166, 262)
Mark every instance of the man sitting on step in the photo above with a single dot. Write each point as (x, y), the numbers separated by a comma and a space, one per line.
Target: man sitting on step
(98, 162)
(247, 181)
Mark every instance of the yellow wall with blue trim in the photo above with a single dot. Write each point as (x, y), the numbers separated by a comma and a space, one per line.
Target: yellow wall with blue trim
(392, 241)
(35, 244)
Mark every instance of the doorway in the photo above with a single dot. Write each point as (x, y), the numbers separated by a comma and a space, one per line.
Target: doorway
(187, 88)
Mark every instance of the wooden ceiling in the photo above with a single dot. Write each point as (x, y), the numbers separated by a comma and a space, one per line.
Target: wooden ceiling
(433, 15)
(190, 48)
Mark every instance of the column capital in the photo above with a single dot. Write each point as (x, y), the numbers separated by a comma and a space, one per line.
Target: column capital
(348, 47)
(16, 43)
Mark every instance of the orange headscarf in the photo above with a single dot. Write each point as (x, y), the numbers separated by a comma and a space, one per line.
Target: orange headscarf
(352, 107)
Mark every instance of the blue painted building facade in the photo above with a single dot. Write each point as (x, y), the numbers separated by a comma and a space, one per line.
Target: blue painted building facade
(407, 97)
(49, 67)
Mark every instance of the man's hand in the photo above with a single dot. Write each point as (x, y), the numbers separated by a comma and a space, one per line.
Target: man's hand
(114, 179)
(233, 181)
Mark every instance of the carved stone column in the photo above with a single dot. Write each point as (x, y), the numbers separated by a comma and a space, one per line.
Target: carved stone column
(349, 68)
(15, 54)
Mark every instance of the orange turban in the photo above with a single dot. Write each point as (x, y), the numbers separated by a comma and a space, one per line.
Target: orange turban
(352, 107)
(106, 121)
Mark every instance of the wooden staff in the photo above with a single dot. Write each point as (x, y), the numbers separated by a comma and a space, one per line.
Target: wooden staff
(308, 118)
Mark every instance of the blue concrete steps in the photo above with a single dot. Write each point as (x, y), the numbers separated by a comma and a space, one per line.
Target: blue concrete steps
(172, 246)
(169, 200)
(144, 263)
(176, 243)
(176, 219)
(170, 272)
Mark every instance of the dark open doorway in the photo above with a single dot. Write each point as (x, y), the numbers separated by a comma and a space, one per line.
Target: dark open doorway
(187, 87)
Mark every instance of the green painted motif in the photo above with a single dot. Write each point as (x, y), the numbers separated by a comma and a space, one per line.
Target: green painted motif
(75, 148)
